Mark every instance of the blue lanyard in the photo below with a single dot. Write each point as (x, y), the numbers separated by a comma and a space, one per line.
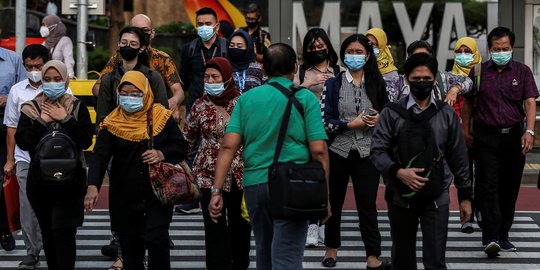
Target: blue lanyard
(241, 82)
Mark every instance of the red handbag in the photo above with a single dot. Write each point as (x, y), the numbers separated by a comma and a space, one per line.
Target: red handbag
(11, 195)
(171, 183)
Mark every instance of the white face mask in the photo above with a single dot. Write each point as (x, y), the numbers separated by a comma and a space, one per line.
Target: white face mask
(44, 31)
(34, 76)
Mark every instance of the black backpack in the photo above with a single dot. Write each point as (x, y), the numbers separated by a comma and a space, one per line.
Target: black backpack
(417, 148)
(56, 154)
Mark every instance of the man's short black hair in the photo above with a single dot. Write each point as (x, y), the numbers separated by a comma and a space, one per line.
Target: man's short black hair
(418, 60)
(417, 45)
(34, 51)
(500, 32)
(279, 60)
(254, 8)
(206, 11)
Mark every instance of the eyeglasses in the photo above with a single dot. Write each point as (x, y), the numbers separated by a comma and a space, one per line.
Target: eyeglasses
(131, 94)
(132, 44)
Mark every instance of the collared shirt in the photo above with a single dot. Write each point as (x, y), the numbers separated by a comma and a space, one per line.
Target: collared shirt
(192, 68)
(416, 108)
(501, 94)
(353, 100)
(257, 118)
(19, 94)
(159, 61)
(11, 70)
(63, 51)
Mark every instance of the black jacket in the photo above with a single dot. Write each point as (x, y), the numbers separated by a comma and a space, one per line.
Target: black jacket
(131, 199)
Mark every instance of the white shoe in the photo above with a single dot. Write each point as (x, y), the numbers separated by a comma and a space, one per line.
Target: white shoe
(321, 234)
(312, 235)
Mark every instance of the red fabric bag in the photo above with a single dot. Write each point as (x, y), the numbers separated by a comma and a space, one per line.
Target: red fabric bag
(11, 194)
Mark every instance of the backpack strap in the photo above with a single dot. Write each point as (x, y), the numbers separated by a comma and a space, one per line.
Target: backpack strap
(301, 73)
(427, 114)
(76, 107)
(399, 109)
(290, 95)
(223, 47)
(192, 46)
(337, 70)
(37, 106)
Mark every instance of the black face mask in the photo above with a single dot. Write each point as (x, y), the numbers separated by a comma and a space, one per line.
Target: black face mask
(317, 57)
(252, 23)
(236, 55)
(128, 53)
(421, 90)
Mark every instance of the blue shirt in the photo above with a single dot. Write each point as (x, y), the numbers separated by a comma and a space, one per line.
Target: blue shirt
(11, 70)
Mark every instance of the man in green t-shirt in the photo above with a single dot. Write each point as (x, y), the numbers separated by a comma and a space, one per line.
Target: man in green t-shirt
(255, 124)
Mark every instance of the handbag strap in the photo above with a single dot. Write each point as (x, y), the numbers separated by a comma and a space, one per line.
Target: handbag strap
(286, 115)
(150, 127)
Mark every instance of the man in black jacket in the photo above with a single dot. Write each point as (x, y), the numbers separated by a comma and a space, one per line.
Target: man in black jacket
(432, 213)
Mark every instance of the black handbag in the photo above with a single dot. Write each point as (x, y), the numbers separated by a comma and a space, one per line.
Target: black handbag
(297, 191)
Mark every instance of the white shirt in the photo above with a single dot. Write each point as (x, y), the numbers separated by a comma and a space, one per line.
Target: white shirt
(20, 93)
(63, 51)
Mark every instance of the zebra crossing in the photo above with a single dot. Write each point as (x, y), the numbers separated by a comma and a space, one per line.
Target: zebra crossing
(464, 251)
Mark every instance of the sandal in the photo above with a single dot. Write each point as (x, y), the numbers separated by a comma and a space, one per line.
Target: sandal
(118, 264)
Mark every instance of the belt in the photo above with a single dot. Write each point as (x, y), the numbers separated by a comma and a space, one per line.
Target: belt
(498, 130)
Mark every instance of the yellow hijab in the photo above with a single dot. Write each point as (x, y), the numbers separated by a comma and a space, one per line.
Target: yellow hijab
(385, 61)
(133, 126)
(471, 44)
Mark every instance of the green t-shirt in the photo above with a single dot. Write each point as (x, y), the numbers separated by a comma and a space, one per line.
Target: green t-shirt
(257, 118)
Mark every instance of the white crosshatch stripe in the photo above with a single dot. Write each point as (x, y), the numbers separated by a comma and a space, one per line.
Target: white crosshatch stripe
(188, 235)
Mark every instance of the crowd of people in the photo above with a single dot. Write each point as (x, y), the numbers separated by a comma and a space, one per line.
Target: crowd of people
(420, 131)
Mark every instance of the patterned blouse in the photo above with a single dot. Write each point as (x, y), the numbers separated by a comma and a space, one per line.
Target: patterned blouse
(207, 123)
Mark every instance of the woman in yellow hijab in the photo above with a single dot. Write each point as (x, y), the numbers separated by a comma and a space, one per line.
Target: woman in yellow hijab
(466, 57)
(385, 61)
(137, 216)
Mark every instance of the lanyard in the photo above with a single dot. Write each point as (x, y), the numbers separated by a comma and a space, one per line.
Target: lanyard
(241, 81)
(204, 58)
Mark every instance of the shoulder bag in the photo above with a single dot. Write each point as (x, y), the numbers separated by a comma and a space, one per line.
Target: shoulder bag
(297, 191)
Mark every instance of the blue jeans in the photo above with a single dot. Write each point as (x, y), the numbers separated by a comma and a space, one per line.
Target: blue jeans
(280, 243)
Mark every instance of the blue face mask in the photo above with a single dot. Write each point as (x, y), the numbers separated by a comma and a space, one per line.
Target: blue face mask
(501, 58)
(54, 90)
(131, 104)
(214, 89)
(205, 32)
(464, 59)
(376, 52)
(355, 62)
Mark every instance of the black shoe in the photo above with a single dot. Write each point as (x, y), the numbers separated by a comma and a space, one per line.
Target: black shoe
(384, 266)
(329, 262)
(111, 250)
(467, 227)
(30, 262)
(171, 243)
(7, 241)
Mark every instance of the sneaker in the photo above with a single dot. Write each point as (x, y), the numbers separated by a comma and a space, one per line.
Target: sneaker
(30, 262)
(171, 243)
(507, 246)
(321, 234)
(187, 209)
(492, 249)
(467, 227)
(111, 250)
(7, 241)
(312, 235)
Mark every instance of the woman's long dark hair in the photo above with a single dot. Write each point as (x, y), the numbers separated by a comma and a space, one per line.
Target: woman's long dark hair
(143, 57)
(375, 85)
(312, 35)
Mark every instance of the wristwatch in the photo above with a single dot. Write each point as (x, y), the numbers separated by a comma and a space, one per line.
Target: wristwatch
(530, 131)
(215, 190)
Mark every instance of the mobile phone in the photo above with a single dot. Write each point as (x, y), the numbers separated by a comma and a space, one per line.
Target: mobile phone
(372, 113)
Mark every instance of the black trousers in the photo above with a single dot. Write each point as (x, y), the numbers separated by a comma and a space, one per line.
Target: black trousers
(155, 239)
(365, 179)
(59, 243)
(499, 168)
(404, 222)
(227, 242)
